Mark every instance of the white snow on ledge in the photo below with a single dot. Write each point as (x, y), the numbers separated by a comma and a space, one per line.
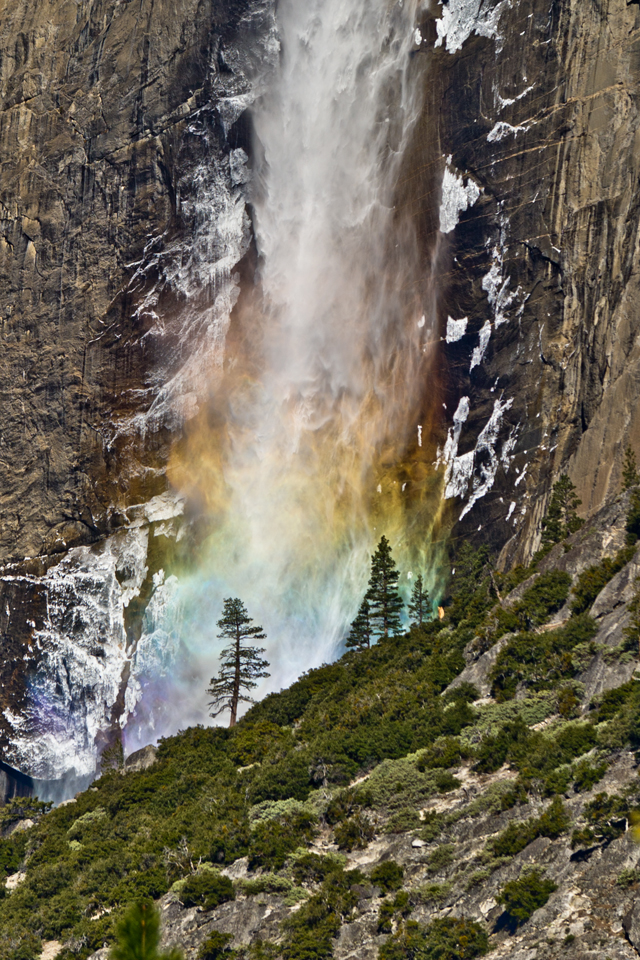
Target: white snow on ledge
(461, 18)
(456, 329)
(457, 196)
(459, 472)
(483, 341)
(502, 130)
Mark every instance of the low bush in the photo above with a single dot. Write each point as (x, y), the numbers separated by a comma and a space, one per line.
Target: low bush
(592, 580)
(392, 910)
(271, 841)
(446, 938)
(441, 857)
(519, 834)
(521, 898)
(217, 947)
(355, 833)
(206, 890)
(606, 819)
(540, 660)
(388, 875)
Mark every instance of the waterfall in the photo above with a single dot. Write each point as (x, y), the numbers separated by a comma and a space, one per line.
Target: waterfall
(325, 356)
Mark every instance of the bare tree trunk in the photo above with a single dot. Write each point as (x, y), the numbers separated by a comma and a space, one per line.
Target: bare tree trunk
(236, 684)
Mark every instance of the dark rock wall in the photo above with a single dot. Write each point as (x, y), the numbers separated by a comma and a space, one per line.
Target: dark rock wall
(123, 141)
(544, 117)
(106, 108)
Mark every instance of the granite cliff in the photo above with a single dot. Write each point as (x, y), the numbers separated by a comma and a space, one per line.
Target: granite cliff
(121, 129)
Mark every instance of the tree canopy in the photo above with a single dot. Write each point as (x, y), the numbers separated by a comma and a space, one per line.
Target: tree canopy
(562, 519)
(241, 666)
(385, 603)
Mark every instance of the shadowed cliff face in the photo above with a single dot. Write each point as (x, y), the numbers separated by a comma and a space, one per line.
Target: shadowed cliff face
(124, 153)
(121, 195)
(541, 112)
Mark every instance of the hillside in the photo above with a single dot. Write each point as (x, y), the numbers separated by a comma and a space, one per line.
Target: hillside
(409, 784)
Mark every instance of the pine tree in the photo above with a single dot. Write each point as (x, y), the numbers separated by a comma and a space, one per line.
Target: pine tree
(385, 603)
(630, 476)
(138, 935)
(561, 519)
(360, 633)
(420, 605)
(240, 666)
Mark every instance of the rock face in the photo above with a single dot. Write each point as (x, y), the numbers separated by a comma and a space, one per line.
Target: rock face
(536, 107)
(121, 196)
(125, 236)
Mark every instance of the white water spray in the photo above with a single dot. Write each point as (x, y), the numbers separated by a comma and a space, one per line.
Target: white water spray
(324, 385)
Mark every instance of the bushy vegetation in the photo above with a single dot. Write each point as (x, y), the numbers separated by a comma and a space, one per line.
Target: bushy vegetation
(285, 773)
(521, 898)
(592, 580)
(443, 939)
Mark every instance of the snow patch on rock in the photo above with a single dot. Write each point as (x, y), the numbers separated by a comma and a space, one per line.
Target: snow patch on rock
(462, 18)
(456, 329)
(501, 130)
(497, 282)
(475, 470)
(483, 341)
(457, 196)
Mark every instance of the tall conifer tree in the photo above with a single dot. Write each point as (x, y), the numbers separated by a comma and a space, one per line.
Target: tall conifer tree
(138, 935)
(240, 666)
(420, 605)
(385, 603)
(360, 633)
(561, 519)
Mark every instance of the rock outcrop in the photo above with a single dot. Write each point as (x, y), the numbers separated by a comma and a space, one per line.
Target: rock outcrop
(125, 238)
(536, 108)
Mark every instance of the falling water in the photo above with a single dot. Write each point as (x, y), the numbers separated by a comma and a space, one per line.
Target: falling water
(326, 360)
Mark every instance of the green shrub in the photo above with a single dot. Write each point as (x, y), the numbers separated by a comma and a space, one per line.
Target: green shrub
(633, 518)
(391, 910)
(628, 877)
(207, 890)
(519, 834)
(310, 930)
(355, 833)
(216, 947)
(388, 875)
(521, 898)
(403, 821)
(441, 857)
(444, 753)
(313, 868)
(585, 775)
(446, 938)
(272, 841)
(592, 580)
(540, 660)
(606, 818)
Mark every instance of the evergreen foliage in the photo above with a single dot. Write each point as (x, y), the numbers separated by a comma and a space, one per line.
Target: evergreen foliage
(385, 603)
(241, 666)
(633, 517)
(594, 578)
(113, 756)
(207, 890)
(630, 476)
(360, 633)
(420, 605)
(261, 789)
(216, 947)
(562, 519)
(138, 935)
(521, 898)
(446, 938)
